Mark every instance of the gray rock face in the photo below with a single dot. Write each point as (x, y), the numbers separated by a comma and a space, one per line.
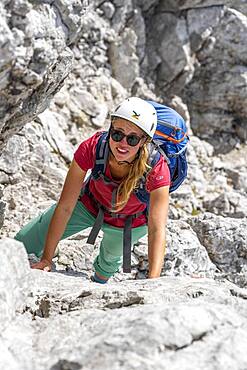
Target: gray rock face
(185, 255)
(14, 281)
(225, 90)
(169, 322)
(196, 40)
(2, 208)
(123, 58)
(206, 64)
(230, 204)
(35, 58)
(188, 4)
(225, 241)
(158, 337)
(34, 176)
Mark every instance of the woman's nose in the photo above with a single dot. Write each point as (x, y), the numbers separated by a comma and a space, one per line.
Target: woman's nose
(124, 140)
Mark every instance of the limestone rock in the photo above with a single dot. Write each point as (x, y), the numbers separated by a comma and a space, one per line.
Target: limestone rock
(75, 256)
(55, 135)
(13, 154)
(221, 91)
(14, 280)
(225, 241)
(108, 9)
(231, 204)
(123, 10)
(141, 318)
(2, 211)
(123, 58)
(185, 255)
(201, 64)
(234, 164)
(2, 208)
(35, 57)
(188, 4)
(35, 162)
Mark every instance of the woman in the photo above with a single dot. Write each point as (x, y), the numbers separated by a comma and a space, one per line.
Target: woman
(110, 197)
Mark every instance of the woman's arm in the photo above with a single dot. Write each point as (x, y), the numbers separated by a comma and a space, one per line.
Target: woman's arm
(69, 196)
(157, 219)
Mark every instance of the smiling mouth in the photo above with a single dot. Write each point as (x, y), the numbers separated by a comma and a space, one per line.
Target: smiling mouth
(122, 151)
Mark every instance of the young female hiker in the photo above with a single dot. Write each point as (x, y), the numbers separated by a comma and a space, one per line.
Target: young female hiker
(108, 199)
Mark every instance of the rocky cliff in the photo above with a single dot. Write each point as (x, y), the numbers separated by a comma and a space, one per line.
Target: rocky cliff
(63, 67)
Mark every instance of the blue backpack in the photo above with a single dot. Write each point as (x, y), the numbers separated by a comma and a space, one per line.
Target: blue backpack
(171, 140)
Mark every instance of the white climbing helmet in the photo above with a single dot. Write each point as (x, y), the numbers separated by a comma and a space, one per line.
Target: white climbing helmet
(139, 112)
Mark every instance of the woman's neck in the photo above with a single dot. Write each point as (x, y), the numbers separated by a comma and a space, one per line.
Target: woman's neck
(118, 170)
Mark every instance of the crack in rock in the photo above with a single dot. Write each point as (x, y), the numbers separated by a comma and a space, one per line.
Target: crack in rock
(235, 293)
(194, 340)
(44, 307)
(77, 303)
(132, 299)
(66, 365)
(195, 294)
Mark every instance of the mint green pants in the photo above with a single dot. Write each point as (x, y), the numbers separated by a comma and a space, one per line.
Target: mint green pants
(110, 255)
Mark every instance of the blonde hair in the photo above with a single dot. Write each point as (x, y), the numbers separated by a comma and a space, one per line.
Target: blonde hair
(131, 181)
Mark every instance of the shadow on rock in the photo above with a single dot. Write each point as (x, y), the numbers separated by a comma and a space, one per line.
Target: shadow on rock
(66, 365)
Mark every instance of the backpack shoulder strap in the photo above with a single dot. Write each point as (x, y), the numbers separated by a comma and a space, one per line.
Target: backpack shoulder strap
(154, 154)
(102, 151)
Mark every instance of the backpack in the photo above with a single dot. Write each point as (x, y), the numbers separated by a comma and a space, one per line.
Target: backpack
(171, 140)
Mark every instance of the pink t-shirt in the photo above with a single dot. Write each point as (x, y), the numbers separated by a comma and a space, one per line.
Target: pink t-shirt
(85, 157)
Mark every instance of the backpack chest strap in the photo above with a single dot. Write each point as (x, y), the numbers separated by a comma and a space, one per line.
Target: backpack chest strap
(106, 210)
(127, 237)
(127, 242)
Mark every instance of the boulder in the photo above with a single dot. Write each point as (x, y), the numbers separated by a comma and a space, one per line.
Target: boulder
(225, 240)
(15, 280)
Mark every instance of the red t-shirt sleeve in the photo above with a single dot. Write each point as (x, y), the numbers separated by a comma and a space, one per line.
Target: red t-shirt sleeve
(86, 153)
(159, 176)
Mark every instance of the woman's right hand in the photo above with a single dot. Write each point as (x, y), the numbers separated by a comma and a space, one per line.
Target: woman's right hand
(44, 265)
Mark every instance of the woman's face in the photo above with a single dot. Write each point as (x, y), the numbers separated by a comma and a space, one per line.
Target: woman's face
(121, 150)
